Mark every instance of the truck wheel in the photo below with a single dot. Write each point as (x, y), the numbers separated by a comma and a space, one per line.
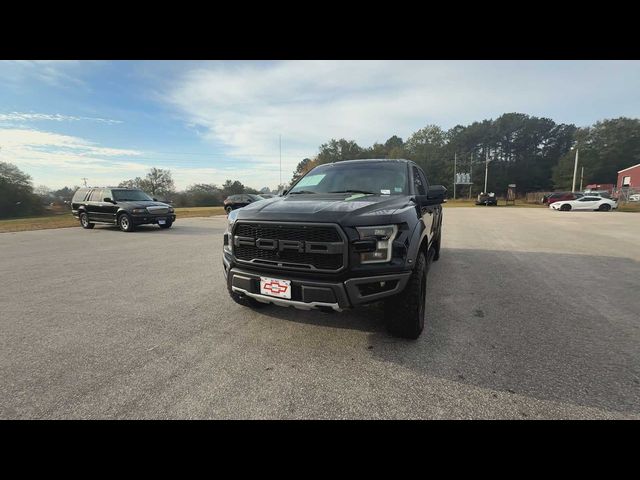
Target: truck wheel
(84, 221)
(228, 209)
(436, 248)
(125, 222)
(404, 313)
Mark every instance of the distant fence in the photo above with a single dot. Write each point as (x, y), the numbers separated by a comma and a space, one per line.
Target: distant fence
(535, 197)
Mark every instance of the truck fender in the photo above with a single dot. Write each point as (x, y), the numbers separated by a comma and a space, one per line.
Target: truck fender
(416, 237)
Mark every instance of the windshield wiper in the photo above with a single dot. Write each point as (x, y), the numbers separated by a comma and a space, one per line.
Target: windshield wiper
(353, 191)
(301, 191)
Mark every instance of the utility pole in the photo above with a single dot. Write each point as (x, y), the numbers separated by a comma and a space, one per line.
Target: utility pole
(486, 170)
(581, 177)
(575, 172)
(470, 175)
(455, 160)
(280, 159)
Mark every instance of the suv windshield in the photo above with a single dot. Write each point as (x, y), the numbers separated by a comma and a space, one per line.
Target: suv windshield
(130, 196)
(255, 197)
(378, 178)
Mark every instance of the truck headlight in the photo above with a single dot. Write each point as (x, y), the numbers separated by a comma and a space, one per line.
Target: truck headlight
(139, 211)
(384, 236)
(228, 235)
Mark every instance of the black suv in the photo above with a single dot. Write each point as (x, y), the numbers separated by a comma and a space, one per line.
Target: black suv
(125, 207)
(238, 201)
(346, 234)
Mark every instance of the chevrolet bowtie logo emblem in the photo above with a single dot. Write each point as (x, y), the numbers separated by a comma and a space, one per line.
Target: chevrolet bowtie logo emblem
(275, 287)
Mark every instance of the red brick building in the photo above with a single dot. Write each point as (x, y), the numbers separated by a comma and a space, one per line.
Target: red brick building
(629, 177)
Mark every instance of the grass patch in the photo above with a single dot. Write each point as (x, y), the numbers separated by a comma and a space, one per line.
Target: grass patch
(629, 207)
(67, 220)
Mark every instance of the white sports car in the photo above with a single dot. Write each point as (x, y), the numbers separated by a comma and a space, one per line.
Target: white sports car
(585, 203)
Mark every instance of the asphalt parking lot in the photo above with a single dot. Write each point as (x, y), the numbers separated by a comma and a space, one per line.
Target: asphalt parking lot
(533, 314)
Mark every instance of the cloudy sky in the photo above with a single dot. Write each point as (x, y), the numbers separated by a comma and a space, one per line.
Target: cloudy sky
(210, 121)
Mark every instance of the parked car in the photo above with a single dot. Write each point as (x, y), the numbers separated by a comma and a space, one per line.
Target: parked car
(585, 203)
(125, 207)
(267, 195)
(562, 196)
(238, 201)
(635, 197)
(598, 193)
(487, 199)
(346, 234)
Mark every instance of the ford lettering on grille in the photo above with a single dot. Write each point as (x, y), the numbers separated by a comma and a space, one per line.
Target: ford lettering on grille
(290, 246)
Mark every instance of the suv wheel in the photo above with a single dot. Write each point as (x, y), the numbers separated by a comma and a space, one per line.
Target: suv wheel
(125, 222)
(84, 221)
(404, 313)
(228, 209)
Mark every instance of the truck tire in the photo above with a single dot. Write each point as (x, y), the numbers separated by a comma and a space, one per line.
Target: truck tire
(436, 248)
(404, 313)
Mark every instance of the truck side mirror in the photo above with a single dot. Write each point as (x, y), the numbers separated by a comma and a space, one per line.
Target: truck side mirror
(434, 196)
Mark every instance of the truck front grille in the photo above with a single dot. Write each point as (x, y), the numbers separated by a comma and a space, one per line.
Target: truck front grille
(290, 246)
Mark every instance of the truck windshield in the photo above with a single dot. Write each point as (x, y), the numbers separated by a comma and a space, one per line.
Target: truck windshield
(377, 178)
(130, 196)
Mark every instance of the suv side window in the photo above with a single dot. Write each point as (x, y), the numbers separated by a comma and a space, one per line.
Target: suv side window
(418, 183)
(96, 195)
(79, 195)
(106, 193)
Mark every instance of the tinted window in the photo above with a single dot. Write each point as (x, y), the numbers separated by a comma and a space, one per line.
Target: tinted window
(79, 195)
(130, 196)
(106, 194)
(418, 183)
(96, 195)
(387, 178)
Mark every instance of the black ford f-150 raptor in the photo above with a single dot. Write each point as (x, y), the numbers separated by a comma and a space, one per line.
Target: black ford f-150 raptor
(346, 234)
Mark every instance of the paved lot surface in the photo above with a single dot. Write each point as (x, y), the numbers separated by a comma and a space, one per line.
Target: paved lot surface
(533, 314)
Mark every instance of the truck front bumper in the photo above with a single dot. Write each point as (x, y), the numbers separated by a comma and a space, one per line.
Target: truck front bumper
(307, 294)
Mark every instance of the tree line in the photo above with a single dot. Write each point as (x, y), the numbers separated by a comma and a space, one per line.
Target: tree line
(19, 198)
(537, 154)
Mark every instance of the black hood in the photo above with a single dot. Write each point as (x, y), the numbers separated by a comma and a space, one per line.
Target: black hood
(343, 208)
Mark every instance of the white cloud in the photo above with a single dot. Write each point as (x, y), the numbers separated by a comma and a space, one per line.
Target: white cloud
(245, 106)
(58, 160)
(56, 73)
(55, 117)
